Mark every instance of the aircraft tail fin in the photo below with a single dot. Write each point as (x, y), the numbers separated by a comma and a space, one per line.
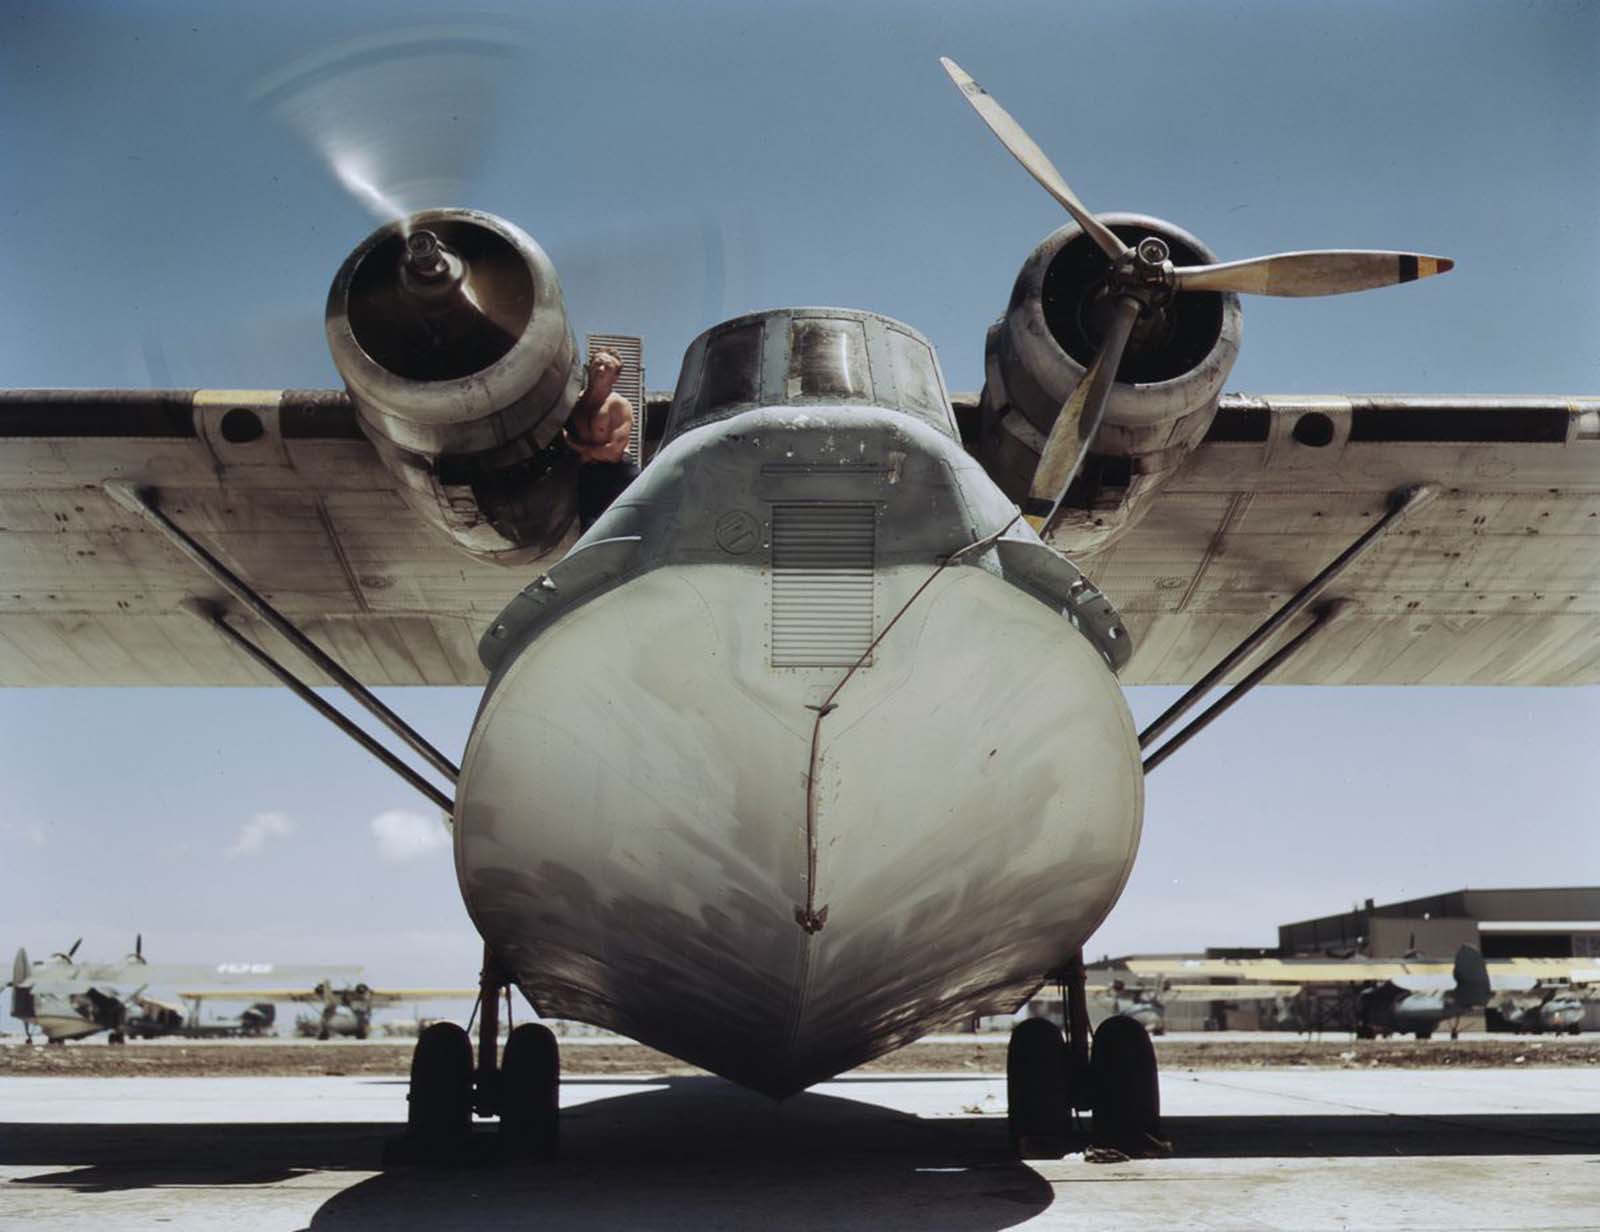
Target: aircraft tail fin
(1472, 978)
(21, 972)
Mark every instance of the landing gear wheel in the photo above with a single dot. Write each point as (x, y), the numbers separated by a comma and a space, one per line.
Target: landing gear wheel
(116, 1037)
(1424, 1035)
(1127, 1095)
(440, 1116)
(1038, 1112)
(530, 1091)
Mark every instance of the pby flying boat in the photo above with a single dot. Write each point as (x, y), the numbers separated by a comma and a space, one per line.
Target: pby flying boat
(816, 739)
(69, 999)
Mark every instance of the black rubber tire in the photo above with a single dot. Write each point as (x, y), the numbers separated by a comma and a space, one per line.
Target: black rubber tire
(1038, 1099)
(1424, 1035)
(530, 1092)
(441, 1085)
(1127, 1093)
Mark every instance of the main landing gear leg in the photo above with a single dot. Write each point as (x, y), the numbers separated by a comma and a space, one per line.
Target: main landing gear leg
(1050, 1077)
(447, 1088)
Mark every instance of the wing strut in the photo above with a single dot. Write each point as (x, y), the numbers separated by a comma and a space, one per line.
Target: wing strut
(142, 502)
(1325, 616)
(213, 617)
(1401, 504)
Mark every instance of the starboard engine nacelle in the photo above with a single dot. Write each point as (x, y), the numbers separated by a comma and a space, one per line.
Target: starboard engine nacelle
(1171, 375)
(450, 333)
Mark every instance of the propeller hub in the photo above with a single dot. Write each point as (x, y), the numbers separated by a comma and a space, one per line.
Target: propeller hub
(424, 257)
(1152, 251)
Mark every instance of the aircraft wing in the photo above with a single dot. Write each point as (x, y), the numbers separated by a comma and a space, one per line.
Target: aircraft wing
(1227, 992)
(1548, 970)
(305, 513)
(1505, 974)
(1289, 971)
(394, 996)
(227, 993)
(1496, 582)
(148, 1002)
(378, 996)
(216, 979)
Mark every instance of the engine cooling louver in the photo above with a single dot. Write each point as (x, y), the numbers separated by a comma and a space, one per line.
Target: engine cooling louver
(822, 584)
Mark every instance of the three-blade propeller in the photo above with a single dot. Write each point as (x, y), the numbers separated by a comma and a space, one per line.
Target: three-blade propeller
(1141, 274)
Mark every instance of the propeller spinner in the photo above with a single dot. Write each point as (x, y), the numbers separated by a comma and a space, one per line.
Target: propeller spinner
(1141, 280)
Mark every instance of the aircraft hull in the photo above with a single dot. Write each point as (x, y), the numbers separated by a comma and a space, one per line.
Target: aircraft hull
(66, 1026)
(632, 833)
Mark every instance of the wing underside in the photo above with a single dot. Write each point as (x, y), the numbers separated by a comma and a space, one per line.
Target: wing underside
(1497, 582)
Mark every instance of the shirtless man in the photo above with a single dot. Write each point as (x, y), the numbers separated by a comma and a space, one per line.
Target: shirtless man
(597, 432)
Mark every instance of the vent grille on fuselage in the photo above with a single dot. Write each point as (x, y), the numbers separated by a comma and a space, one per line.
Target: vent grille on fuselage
(822, 583)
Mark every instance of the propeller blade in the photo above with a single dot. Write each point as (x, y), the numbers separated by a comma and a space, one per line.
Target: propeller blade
(1331, 272)
(1078, 421)
(404, 118)
(1032, 158)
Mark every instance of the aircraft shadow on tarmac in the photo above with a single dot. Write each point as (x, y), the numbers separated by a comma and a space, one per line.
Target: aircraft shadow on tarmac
(692, 1152)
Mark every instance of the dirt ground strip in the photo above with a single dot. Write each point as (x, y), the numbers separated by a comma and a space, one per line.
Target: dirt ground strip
(271, 1059)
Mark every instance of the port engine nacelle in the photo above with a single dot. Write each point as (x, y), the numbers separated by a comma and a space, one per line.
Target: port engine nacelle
(450, 333)
(1171, 375)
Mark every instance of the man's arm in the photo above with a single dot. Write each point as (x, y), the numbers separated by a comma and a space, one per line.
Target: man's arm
(617, 415)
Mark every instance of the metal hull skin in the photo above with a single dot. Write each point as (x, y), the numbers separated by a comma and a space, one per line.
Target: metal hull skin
(632, 838)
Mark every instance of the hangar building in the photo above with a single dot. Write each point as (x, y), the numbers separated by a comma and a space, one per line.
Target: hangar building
(1552, 922)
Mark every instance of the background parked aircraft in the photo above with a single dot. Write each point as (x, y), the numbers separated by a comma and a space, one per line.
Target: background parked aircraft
(67, 999)
(1386, 996)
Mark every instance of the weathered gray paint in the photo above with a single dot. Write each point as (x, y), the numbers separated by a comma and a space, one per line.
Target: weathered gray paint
(635, 817)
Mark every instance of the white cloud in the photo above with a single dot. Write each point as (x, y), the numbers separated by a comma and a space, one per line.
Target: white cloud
(406, 836)
(253, 835)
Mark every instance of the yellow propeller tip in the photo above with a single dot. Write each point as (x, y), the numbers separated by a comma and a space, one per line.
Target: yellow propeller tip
(1424, 267)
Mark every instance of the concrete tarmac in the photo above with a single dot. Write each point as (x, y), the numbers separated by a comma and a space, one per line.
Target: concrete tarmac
(1296, 1149)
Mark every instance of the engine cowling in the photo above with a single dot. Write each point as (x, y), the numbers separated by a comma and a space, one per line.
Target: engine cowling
(1164, 399)
(450, 332)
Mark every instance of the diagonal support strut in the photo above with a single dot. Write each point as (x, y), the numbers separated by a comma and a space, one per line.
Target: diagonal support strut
(1325, 616)
(208, 613)
(1401, 504)
(142, 502)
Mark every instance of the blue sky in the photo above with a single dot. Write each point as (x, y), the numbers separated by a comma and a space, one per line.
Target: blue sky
(174, 221)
